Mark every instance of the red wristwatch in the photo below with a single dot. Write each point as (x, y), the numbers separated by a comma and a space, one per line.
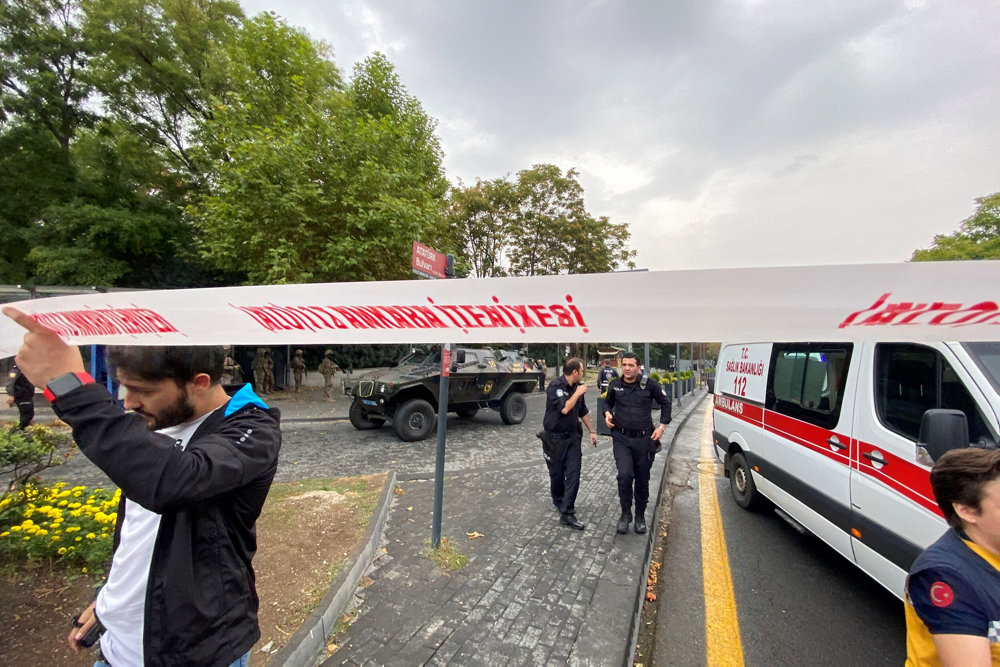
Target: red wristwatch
(65, 383)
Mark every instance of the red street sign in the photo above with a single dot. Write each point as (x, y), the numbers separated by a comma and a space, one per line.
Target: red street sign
(427, 262)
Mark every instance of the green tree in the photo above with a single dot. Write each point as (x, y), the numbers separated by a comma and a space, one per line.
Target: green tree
(536, 225)
(42, 58)
(335, 185)
(978, 237)
(42, 91)
(482, 217)
(160, 64)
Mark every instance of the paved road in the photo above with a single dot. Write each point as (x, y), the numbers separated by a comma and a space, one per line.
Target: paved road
(334, 448)
(798, 602)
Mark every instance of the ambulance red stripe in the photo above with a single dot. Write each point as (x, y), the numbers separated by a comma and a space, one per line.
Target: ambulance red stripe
(907, 478)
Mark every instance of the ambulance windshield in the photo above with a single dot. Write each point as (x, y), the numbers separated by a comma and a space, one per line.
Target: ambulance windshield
(987, 357)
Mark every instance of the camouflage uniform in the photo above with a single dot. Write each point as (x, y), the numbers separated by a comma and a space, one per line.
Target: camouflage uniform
(327, 368)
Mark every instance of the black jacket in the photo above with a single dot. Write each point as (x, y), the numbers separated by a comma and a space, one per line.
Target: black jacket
(201, 602)
(20, 388)
(556, 396)
(631, 403)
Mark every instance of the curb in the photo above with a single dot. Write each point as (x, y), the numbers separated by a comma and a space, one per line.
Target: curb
(309, 641)
(648, 558)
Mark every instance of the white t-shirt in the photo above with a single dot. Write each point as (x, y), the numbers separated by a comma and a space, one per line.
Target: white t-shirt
(121, 602)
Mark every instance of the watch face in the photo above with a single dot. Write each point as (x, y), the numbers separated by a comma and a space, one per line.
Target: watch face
(64, 384)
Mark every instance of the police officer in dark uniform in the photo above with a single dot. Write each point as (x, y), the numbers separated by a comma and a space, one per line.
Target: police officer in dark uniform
(627, 409)
(22, 392)
(561, 440)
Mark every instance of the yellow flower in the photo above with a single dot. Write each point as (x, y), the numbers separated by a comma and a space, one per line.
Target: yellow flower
(27, 523)
(78, 539)
(27, 537)
(84, 570)
(42, 532)
(55, 538)
(62, 551)
(5, 533)
(15, 529)
(91, 536)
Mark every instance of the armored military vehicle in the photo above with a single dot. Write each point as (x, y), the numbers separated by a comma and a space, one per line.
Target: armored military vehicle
(407, 395)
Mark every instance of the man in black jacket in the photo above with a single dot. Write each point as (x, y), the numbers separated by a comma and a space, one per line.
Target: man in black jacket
(194, 467)
(22, 393)
(565, 409)
(627, 409)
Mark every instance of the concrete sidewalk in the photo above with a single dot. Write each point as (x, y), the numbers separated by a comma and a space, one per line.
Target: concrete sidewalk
(533, 592)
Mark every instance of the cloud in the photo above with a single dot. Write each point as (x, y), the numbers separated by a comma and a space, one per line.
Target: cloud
(726, 132)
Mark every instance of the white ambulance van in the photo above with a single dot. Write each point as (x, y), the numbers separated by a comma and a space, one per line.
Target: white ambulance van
(840, 437)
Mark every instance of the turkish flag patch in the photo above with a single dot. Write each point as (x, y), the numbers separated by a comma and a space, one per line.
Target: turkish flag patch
(941, 594)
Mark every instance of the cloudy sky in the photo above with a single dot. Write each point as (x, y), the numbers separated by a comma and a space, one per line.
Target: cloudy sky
(727, 133)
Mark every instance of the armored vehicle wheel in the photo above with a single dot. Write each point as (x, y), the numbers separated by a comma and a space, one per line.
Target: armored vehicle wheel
(414, 420)
(466, 412)
(361, 421)
(741, 484)
(513, 408)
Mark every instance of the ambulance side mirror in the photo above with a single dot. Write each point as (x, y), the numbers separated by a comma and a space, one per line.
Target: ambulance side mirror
(941, 431)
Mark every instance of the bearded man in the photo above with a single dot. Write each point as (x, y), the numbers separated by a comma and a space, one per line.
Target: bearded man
(194, 467)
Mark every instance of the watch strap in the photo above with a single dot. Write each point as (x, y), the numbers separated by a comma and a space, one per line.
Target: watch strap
(83, 378)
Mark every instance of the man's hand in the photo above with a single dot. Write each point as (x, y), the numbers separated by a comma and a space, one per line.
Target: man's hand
(43, 354)
(86, 621)
(581, 389)
(657, 433)
(593, 438)
(609, 419)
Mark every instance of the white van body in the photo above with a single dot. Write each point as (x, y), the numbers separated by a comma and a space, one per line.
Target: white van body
(828, 433)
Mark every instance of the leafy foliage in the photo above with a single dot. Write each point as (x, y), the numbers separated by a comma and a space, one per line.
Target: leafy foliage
(335, 186)
(537, 225)
(26, 452)
(978, 237)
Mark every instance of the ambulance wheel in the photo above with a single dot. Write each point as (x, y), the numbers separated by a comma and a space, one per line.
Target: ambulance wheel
(361, 421)
(513, 408)
(414, 420)
(741, 484)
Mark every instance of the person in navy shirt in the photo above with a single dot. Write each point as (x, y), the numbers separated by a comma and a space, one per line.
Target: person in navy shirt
(952, 600)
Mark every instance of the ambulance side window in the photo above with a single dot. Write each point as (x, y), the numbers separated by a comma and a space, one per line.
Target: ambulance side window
(911, 379)
(806, 381)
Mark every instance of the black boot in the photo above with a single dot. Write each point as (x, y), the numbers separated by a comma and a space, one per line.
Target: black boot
(640, 523)
(571, 521)
(624, 521)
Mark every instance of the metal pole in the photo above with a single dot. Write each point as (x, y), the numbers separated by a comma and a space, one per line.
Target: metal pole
(442, 431)
(677, 370)
(647, 358)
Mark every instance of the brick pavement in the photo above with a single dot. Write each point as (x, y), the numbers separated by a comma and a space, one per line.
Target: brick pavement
(533, 592)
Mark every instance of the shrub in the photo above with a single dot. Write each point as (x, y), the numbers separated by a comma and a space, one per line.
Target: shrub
(59, 525)
(654, 376)
(25, 453)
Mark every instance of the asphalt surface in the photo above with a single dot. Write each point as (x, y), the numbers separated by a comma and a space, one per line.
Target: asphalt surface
(798, 601)
(533, 591)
